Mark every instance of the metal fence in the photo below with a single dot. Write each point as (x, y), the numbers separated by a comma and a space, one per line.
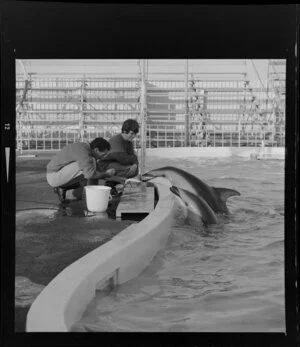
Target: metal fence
(52, 112)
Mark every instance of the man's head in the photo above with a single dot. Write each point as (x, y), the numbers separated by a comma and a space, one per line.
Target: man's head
(129, 129)
(99, 147)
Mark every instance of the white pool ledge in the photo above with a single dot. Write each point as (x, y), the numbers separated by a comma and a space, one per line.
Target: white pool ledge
(65, 298)
(216, 152)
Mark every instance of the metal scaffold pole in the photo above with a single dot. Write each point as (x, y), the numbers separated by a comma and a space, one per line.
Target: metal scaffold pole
(19, 107)
(81, 119)
(187, 131)
(143, 115)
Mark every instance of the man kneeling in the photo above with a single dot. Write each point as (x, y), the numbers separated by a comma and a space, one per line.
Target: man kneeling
(76, 166)
(121, 156)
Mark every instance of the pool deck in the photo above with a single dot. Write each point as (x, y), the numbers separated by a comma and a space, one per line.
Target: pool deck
(42, 255)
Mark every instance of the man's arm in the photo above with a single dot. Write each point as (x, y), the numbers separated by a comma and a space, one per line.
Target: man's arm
(87, 164)
(99, 175)
(121, 157)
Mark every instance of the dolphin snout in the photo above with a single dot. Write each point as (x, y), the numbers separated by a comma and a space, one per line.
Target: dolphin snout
(151, 174)
(147, 177)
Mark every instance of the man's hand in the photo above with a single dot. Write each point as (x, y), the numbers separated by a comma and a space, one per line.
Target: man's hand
(110, 172)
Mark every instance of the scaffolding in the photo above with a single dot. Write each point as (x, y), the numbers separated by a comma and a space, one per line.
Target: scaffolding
(178, 107)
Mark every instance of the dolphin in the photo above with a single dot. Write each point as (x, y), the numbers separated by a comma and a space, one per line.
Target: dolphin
(215, 197)
(197, 207)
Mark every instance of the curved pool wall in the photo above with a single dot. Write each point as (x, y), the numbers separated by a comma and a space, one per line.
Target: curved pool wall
(64, 299)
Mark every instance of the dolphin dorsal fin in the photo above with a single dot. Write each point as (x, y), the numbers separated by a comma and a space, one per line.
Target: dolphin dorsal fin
(225, 193)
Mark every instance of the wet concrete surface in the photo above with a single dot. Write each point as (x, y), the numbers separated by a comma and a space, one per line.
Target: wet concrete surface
(136, 199)
(51, 236)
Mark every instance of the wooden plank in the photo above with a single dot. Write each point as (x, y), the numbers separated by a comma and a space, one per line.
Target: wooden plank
(78, 111)
(136, 199)
(210, 101)
(156, 113)
(105, 89)
(74, 100)
(113, 89)
(152, 91)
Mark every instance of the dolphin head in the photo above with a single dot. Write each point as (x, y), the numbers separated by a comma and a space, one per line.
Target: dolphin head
(154, 173)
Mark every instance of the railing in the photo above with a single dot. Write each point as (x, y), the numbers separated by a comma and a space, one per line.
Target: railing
(221, 113)
(52, 139)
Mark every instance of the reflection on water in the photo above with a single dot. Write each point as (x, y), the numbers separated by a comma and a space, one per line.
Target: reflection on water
(227, 277)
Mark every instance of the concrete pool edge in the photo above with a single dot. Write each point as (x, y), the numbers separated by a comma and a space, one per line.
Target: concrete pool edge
(63, 301)
(218, 152)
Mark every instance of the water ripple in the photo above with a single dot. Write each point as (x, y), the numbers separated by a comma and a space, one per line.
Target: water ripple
(228, 277)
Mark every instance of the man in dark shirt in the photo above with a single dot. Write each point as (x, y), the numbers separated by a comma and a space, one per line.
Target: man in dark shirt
(121, 156)
(76, 166)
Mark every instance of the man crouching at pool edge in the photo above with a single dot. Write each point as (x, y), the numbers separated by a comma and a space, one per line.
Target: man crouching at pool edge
(75, 166)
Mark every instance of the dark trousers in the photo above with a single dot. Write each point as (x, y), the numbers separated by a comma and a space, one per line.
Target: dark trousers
(77, 184)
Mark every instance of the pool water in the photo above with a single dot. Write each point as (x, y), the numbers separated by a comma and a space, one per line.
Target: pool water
(49, 240)
(223, 278)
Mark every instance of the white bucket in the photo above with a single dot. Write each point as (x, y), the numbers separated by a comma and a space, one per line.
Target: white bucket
(97, 198)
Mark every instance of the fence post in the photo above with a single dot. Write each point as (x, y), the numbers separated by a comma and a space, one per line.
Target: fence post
(239, 132)
(187, 130)
(143, 116)
(81, 115)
